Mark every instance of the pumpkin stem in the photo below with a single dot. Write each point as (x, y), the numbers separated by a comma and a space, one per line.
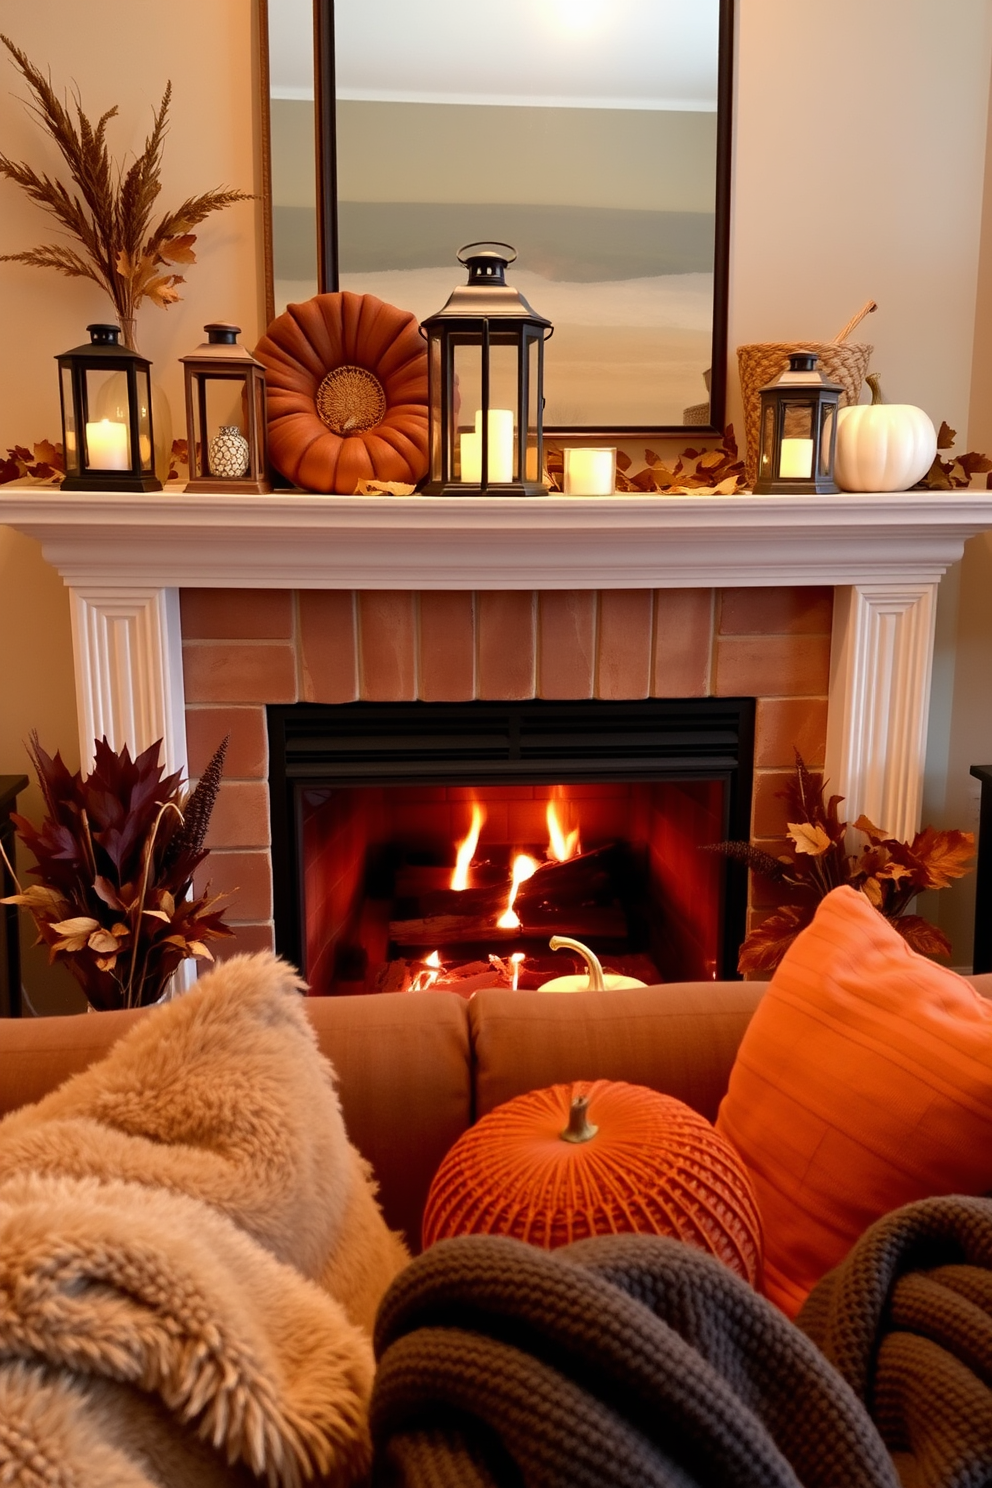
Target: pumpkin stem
(579, 1129)
(876, 388)
(593, 963)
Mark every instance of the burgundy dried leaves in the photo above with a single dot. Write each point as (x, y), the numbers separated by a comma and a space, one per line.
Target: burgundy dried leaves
(115, 855)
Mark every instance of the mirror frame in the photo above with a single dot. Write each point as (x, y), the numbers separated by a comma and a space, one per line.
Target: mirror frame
(327, 212)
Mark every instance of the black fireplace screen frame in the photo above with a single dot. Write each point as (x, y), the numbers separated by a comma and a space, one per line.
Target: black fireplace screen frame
(536, 742)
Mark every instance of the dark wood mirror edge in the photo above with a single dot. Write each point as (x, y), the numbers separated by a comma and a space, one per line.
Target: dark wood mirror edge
(327, 211)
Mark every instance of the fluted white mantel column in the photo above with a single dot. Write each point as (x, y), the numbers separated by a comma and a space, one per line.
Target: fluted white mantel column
(128, 655)
(881, 659)
(124, 559)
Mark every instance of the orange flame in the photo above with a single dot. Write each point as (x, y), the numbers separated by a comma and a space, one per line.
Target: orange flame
(466, 849)
(516, 961)
(561, 845)
(524, 867)
(429, 974)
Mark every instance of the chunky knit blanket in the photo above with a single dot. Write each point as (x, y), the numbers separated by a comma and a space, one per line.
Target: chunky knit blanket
(623, 1362)
(907, 1320)
(188, 1248)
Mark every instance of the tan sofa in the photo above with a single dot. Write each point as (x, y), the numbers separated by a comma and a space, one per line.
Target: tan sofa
(416, 1069)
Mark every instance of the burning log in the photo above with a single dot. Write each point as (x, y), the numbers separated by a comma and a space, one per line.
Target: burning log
(595, 921)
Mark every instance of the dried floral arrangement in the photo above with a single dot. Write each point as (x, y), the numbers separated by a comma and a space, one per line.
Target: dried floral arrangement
(888, 872)
(954, 473)
(108, 209)
(115, 856)
(719, 470)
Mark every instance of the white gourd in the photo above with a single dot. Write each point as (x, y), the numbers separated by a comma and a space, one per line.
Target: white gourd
(883, 446)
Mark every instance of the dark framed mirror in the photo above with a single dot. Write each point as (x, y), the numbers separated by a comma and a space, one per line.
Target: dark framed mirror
(593, 135)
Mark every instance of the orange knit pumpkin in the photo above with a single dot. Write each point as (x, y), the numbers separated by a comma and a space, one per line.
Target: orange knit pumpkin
(653, 1166)
(346, 376)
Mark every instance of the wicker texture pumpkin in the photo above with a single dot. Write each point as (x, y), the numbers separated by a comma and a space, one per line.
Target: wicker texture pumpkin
(347, 393)
(651, 1165)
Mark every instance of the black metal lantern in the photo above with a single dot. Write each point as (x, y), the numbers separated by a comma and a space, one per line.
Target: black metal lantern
(798, 431)
(225, 415)
(485, 360)
(107, 416)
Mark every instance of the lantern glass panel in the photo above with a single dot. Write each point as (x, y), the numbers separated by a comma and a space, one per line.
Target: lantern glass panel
(504, 404)
(466, 463)
(224, 404)
(827, 415)
(145, 452)
(531, 471)
(796, 454)
(434, 385)
(72, 450)
(767, 441)
(107, 433)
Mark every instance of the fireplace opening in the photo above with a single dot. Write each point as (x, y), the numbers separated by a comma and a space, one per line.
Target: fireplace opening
(429, 846)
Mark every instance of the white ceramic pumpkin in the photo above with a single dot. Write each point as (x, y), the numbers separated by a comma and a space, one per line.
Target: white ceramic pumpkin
(883, 446)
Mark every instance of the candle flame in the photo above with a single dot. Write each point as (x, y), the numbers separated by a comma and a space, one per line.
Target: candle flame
(466, 849)
(516, 961)
(524, 867)
(561, 845)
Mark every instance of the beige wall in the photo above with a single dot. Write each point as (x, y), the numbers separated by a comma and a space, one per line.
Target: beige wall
(115, 52)
(859, 169)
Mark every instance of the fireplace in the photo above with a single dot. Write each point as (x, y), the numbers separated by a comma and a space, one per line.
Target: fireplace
(426, 845)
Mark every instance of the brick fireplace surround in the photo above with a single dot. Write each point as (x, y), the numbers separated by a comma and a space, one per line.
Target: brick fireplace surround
(189, 613)
(245, 648)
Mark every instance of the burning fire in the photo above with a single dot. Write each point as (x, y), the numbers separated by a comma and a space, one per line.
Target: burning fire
(561, 845)
(429, 973)
(524, 867)
(516, 961)
(466, 849)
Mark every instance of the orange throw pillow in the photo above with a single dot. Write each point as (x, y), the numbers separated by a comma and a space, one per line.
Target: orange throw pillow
(863, 1082)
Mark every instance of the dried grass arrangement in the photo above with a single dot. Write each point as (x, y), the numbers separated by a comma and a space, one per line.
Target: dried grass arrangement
(108, 209)
(116, 855)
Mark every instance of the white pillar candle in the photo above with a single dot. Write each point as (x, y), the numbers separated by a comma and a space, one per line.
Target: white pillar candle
(107, 446)
(500, 443)
(471, 453)
(796, 459)
(590, 472)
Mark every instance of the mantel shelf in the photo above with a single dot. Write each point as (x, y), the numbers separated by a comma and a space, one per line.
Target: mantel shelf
(292, 540)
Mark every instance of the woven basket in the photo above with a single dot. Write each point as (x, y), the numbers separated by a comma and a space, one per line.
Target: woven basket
(760, 362)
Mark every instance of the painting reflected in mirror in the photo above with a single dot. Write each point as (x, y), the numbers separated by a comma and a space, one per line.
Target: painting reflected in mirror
(593, 135)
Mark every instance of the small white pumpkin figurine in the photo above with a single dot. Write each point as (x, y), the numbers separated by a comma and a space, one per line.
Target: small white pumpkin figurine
(883, 446)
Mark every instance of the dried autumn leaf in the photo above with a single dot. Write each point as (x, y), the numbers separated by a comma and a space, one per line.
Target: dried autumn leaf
(945, 435)
(106, 891)
(103, 941)
(157, 914)
(160, 289)
(199, 949)
(945, 855)
(39, 898)
(872, 891)
(873, 833)
(809, 838)
(921, 936)
(77, 925)
(178, 250)
(767, 943)
(727, 487)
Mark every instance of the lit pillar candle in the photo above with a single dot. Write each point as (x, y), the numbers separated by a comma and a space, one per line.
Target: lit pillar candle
(500, 443)
(471, 452)
(590, 472)
(796, 459)
(106, 446)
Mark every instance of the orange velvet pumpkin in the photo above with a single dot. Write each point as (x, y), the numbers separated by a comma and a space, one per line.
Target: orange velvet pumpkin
(347, 393)
(649, 1165)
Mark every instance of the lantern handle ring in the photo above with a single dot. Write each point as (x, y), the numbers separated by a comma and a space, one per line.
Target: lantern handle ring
(486, 243)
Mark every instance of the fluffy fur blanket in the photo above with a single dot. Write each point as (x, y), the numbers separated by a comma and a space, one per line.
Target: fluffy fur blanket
(623, 1362)
(188, 1245)
(907, 1320)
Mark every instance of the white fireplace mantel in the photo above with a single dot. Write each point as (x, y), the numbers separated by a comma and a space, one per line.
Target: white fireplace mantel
(124, 559)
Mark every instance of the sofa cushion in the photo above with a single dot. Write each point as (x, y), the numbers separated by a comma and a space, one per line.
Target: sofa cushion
(864, 1082)
(37, 1054)
(404, 1079)
(680, 1039)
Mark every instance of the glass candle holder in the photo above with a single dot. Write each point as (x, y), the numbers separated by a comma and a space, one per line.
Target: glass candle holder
(590, 472)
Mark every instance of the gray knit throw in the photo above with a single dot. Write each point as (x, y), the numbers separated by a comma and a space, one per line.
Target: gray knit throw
(907, 1320)
(623, 1362)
